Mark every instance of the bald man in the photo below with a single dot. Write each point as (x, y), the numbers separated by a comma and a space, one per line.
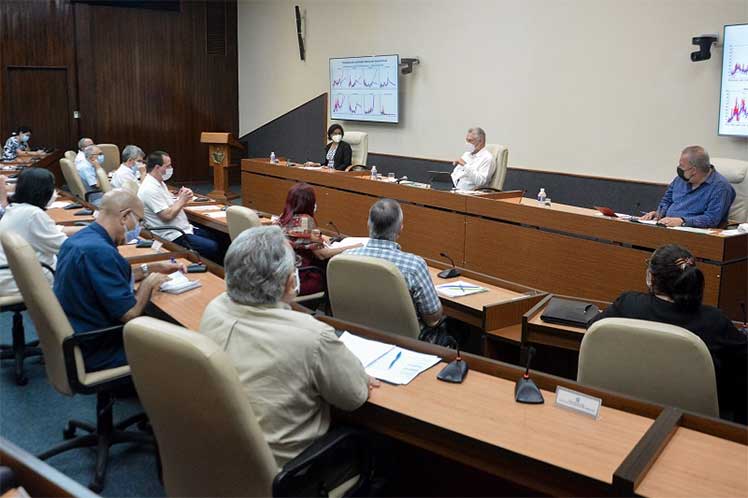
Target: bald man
(95, 284)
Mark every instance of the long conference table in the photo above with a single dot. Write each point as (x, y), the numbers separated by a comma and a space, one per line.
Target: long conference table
(566, 250)
(633, 448)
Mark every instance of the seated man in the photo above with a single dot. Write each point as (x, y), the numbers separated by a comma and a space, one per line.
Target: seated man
(474, 169)
(94, 158)
(3, 195)
(698, 197)
(162, 209)
(132, 168)
(291, 365)
(95, 284)
(80, 157)
(385, 226)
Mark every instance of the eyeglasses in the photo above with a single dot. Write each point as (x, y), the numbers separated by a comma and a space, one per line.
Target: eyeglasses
(140, 220)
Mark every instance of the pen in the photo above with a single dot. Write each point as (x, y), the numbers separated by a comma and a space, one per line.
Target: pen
(397, 357)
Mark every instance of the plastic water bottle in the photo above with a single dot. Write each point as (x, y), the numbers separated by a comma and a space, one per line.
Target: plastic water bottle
(272, 157)
(541, 197)
(373, 172)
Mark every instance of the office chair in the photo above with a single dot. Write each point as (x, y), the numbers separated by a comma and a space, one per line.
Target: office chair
(70, 155)
(111, 157)
(371, 292)
(654, 361)
(359, 142)
(240, 218)
(103, 180)
(64, 362)
(19, 349)
(500, 154)
(209, 439)
(74, 181)
(736, 172)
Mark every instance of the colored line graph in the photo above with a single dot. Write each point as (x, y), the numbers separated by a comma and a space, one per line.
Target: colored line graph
(736, 63)
(738, 111)
(739, 68)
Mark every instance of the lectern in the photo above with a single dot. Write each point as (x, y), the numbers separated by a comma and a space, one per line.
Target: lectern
(219, 158)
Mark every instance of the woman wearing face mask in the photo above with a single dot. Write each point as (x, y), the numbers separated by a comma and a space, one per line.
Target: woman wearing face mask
(338, 153)
(298, 223)
(676, 288)
(132, 169)
(17, 146)
(25, 216)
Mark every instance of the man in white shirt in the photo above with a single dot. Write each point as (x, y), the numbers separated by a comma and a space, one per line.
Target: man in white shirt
(163, 209)
(292, 366)
(132, 168)
(474, 169)
(80, 157)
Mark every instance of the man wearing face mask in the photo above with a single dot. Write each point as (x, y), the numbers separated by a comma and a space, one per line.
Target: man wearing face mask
(474, 169)
(80, 157)
(95, 284)
(132, 169)
(698, 197)
(163, 209)
(338, 154)
(87, 171)
(292, 366)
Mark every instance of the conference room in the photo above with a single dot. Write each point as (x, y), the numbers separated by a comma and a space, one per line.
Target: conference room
(373, 248)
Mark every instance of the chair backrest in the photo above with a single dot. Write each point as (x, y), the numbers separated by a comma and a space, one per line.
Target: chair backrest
(654, 361)
(103, 180)
(209, 439)
(359, 142)
(132, 186)
(736, 172)
(70, 155)
(384, 302)
(500, 155)
(73, 178)
(240, 218)
(51, 323)
(111, 157)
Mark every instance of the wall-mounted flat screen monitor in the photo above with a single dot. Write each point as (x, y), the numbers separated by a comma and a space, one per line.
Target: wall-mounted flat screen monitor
(365, 89)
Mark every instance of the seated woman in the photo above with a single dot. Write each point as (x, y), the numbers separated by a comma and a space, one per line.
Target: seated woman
(337, 152)
(676, 288)
(25, 216)
(299, 225)
(17, 146)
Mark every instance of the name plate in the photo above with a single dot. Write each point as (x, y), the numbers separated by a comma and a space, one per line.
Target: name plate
(156, 246)
(578, 402)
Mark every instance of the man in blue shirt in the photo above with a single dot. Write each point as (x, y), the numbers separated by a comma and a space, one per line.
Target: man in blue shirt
(385, 225)
(95, 284)
(699, 197)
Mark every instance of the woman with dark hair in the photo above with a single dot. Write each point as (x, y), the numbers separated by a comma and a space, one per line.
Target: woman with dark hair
(18, 144)
(676, 288)
(338, 153)
(300, 226)
(25, 216)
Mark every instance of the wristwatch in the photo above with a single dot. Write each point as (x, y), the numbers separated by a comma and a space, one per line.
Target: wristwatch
(144, 269)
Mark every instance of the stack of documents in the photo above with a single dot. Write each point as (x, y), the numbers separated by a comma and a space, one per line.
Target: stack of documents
(459, 288)
(209, 207)
(178, 283)
(216, 214)
(387, 362)
(58, 204)
(350, 241)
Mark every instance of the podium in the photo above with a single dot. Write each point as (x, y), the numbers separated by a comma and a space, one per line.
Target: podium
(219, 157)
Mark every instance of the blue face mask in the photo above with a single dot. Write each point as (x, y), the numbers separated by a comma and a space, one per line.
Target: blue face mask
(25, 138)
(100, 158)
(132, 234)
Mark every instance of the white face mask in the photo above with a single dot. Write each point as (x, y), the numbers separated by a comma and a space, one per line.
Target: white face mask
(469, 147)
(337, 138)
(297, 287)
(167, 174)
(52, 198)
(649, 280)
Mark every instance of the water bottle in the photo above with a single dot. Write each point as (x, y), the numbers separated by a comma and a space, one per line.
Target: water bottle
(373, 172)
(272, 157)
(541, 197)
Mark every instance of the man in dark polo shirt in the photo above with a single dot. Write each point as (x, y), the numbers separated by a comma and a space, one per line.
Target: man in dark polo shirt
(95, 284)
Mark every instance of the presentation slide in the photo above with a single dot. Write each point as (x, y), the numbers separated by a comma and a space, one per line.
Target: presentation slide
(365, 89)
(733, 113)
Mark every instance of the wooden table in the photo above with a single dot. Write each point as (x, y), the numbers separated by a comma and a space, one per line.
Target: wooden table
(67, 217)
(537, 331)
(48, 160)
(213, 215)
(566, 250)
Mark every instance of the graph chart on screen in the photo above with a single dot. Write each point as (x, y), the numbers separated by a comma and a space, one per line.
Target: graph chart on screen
(738, 112)
(364, 88)
(733, 115)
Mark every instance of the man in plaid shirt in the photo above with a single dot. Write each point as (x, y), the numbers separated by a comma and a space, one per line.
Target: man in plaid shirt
(385, 225)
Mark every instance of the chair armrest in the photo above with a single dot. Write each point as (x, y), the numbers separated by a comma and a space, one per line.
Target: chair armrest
(319, 468)
(487, 189)
(90, 193)
(68, 351)
(44, 265)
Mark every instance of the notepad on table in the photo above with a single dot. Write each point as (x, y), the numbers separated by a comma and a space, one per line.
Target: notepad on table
(387, 362)
(350, 241)
(209, 207)
(178, 284)
(216, 214)
(459, 288)
(58, 204)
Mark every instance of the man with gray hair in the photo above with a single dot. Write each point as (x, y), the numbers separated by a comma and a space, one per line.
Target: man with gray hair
(94, 158)
(131, 170)
(698, 197)
(80, 157)
(474, 169)
(292, 366)
(385, 225)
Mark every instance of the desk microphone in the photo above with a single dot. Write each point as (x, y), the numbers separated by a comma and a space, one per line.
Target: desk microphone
(455, 371)
(338, 237)
(449, 272)
(198, 267)
(525, 391)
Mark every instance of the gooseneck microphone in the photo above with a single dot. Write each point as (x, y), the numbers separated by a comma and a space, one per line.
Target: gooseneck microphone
(449, 272)
(338, 237)
(198, 267)
(525, 391)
